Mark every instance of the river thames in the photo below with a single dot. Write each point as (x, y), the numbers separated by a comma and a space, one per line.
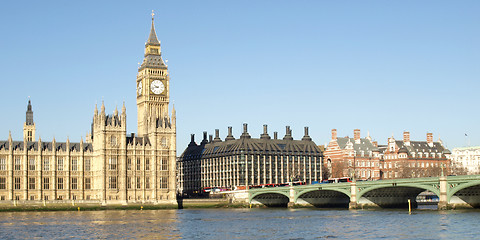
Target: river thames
(241, 224)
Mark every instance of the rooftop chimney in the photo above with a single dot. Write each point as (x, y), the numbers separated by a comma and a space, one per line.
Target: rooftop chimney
(356, 135)
(245, 131)
(275, 135)
(192, 140)
(265, 135)
(306, 137)
(210, 138)
(406, 137)
(217, 136)
(204, 141)
(288, 133)
(430, 139)
(334, 134)
(229, 136)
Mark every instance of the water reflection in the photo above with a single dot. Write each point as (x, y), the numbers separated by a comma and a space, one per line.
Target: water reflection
(241, 224)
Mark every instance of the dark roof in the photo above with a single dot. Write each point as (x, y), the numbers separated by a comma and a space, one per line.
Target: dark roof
(142, 141)
(113, 120)
(19, 145)
(364, 145)
(421, 147)
(251, 145)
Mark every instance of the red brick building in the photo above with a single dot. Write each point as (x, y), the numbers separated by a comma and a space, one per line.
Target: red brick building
(405, 158)
(345, 156)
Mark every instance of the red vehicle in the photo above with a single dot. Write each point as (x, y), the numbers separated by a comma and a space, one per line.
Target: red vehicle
(337, 180)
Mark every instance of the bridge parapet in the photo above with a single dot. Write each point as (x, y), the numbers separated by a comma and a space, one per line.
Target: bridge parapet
(383, 193)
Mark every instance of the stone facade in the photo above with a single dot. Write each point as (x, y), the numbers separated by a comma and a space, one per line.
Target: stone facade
(467, 157)
(110, 166)
(240, 163)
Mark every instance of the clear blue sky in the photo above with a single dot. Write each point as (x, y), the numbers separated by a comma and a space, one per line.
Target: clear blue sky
(380, 66)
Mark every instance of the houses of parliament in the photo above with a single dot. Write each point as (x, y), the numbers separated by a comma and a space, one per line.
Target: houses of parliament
(109, 166)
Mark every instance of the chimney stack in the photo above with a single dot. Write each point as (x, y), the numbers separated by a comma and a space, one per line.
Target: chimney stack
(430, 139)
(210, 138)
(275, 135)
(288, 133)
(204, 141)
(245, 132)
(356, 135)
(217, 136)
(264, 135)
(229, 136)
(334, 134)
(306, 137)
(406, 137)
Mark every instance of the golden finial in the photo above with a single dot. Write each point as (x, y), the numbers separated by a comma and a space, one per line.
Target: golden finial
(153, 14)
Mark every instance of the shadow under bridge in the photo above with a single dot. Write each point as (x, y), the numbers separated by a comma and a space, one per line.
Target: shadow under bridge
(324, 199)
(270, 199)
(390, 197)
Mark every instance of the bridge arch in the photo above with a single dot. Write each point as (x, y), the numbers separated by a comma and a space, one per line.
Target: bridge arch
(389, 185)
(393, 195)
(456, 189)
(270, 198)
(323, 197)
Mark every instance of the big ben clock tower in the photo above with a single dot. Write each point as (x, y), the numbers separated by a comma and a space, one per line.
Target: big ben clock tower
(152, 85)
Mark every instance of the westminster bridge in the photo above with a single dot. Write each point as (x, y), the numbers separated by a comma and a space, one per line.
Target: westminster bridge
(452, 191)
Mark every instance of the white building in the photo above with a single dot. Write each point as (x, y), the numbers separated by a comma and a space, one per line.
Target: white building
(468, 157)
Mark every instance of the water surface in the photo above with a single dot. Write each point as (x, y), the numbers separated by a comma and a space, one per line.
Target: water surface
(241, 224)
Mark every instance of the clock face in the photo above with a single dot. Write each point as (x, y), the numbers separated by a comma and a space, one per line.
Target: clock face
(139, 88)
(157, 86)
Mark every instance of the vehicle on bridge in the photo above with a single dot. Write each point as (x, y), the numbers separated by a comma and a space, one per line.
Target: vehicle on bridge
(270, 185)
(337, 180)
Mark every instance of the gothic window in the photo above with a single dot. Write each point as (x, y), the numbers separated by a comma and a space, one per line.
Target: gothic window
(60, 164)
(74, 183)
(31, 183)
(88, 164)
(163, 182)
(46, 164)
(3, 164)
(74, 164)
(112, 163)
(60, 183)
(147, 164)
(147, 182)
(17, 183)
(46, 183)
(129, 164)
(113, 140)
(139, 183)
(164, 142)
(129, 182)
(138, 164)
(3, 183)
(88, 183)
(31, 164)
(112, 183)
(164, 164)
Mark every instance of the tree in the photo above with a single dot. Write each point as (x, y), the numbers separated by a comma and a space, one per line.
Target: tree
(339, 168)
(457, 169)
(405, 170)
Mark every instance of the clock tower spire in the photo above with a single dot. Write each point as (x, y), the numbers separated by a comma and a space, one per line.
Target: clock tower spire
(152, 83)
(29, 125)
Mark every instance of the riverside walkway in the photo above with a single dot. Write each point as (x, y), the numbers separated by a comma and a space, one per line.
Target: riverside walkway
(453, 192)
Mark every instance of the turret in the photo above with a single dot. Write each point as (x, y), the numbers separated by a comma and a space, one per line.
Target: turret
(29, 125)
